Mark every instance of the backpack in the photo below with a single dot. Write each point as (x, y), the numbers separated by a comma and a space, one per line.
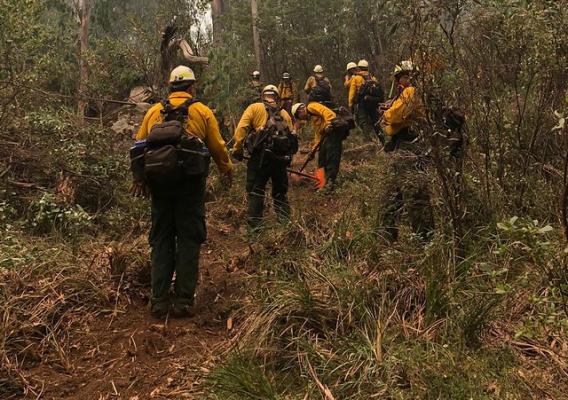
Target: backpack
(370, 94)
(346, 118)
(170, 153)
(275, 139)
(321, 92)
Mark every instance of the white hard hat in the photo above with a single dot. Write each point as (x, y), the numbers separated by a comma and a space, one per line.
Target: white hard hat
(286, 75)
(351, 65)
(181, 74)
(270, 88)
(363, 64)
(255, 73)
(318, 69)
(405, 66)
(295, 108)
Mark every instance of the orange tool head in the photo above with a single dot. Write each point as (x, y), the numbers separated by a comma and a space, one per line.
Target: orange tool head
(320, 175)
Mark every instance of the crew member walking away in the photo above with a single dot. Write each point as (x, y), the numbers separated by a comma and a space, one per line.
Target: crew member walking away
(252, 90)
(287, 92)
(265, 131)
(405, 183)
(255, 83)
(329, 132)
(317, 80)
(171, 158)
(365, 94)
(351, 70)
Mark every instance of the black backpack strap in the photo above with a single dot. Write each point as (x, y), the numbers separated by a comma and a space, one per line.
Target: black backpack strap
(272, 111)
(179, 113)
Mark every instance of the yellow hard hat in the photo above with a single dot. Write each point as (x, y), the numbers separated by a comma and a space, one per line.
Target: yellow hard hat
(318, 69)
(181, 74)
(363, 64)
(296, 107)
(270, 88)
(351, 65)
(405, 66)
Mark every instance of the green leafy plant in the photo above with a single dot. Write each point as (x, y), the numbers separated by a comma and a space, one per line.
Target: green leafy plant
(47, 215)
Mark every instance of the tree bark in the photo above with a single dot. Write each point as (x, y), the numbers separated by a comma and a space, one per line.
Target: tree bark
(256, 35)
(84, 13)
(217, 10)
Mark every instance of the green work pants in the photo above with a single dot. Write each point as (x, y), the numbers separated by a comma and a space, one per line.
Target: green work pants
(261, 168)
(367, 121)
(329, 156)
(178, 230)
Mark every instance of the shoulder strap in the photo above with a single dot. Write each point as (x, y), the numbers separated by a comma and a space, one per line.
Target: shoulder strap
(272, 110)
(180, 113)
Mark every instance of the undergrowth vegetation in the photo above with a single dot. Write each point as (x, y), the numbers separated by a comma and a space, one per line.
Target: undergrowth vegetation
(66, 220)
(339, 314)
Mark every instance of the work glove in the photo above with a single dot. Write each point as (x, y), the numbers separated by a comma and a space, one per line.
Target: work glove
(238, 154)
(138, 189)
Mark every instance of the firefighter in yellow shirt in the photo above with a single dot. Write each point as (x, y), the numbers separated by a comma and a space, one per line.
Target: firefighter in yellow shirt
(406, 182)
(287, 92)
(318, 88)
(329, 133)
(351, 70)
(365, 94)
(265, 131)
(171, 157)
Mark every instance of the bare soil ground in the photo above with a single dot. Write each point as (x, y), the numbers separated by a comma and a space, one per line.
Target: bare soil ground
(133, 356)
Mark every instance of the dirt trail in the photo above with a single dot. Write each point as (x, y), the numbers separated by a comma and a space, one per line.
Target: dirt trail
(133, 356)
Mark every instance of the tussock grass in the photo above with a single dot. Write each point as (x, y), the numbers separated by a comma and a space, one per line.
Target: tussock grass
(337, 313)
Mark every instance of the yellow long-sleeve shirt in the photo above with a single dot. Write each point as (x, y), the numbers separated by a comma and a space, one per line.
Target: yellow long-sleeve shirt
(355, 84)
(320, 117)
(201, 123)
(312, 83)
(287, 90)
(255, 118)
(404, 112)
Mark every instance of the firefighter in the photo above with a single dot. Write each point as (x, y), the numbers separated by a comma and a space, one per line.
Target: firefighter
(317, 80)
(406, 183)
(176, 179)
(365, 94)
(287, 92)
(329, 133)
(252, 90)
(265, 131)
(351, 70)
